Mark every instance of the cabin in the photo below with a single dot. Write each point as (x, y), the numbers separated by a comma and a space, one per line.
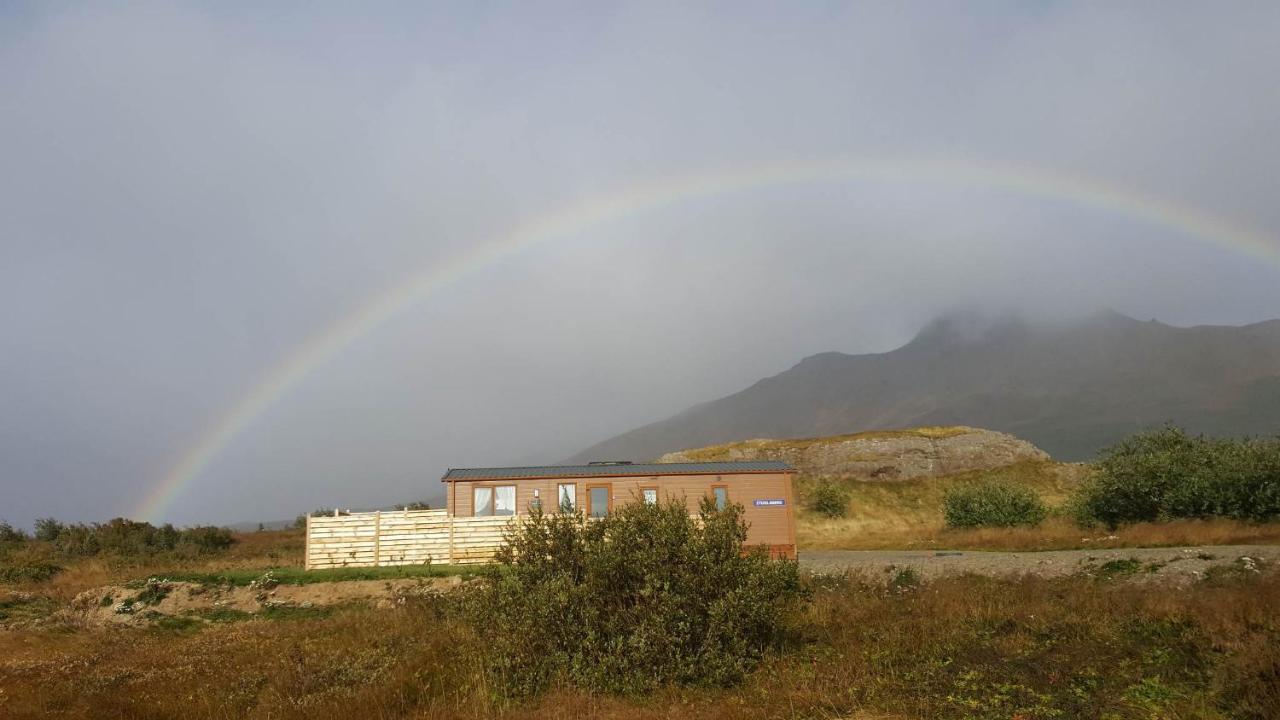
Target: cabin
(763, 488)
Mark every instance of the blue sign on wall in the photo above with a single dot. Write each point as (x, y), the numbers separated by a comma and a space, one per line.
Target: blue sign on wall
(770, 502)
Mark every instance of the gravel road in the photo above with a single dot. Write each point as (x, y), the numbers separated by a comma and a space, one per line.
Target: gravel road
(1183, 563)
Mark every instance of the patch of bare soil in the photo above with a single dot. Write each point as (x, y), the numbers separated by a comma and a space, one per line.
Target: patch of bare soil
(158, 598)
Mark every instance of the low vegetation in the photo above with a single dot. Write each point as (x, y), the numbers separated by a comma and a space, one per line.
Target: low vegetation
(910, 513)
(750, 448)
(1168, 474)
(829, 499)
(650, 615)
(964, 648)
(244, 577)
(645, 598)
(130, 537)
(1153, 489)
(993, 504)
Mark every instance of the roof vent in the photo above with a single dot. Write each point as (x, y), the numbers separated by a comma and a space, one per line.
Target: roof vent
(610, 462)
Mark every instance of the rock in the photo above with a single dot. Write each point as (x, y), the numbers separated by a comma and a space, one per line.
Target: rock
(881, 455)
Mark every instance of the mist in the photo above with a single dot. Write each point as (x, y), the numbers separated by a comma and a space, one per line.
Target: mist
(191, 192)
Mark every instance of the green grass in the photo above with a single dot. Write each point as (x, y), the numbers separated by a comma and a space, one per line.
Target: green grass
(17, 608)
(176, 625)
(293, 612)
(1119, 568)
(273, 612)
(298, 576)
(28, 572)
(221, 615)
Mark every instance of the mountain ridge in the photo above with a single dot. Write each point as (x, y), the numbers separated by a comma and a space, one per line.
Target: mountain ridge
(1068, 386)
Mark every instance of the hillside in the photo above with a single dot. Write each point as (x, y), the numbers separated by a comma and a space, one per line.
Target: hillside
(888, 455)
(896, 479)
(1068, 387)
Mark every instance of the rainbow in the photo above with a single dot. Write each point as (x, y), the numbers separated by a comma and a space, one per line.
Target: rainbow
(647, 197)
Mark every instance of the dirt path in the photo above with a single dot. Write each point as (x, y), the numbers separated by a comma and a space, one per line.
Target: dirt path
(1181, 563)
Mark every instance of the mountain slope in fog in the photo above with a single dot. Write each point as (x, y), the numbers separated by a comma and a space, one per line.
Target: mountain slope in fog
(1069, 387)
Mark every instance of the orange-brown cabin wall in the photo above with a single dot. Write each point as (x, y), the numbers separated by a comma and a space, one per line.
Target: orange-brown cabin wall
(770, 526)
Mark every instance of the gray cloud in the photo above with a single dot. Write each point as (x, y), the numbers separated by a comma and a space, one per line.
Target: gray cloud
(189, 193)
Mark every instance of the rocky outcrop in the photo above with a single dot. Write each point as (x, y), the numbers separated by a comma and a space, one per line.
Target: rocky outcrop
(881, 455)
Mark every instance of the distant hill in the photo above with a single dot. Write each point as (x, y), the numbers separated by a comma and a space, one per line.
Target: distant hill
(884, 455)
(1068, 387)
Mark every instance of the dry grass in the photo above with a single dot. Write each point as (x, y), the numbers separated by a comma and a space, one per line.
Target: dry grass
(279, 548)
(958, 648)
(734, 450)
(1053, 534)
(908, 515)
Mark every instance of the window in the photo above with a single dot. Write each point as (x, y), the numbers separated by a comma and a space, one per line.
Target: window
(504, 500)
(650, 495)
(568, 494)
(500, 500)
(483, 504)
(721, 494)
(598, 500)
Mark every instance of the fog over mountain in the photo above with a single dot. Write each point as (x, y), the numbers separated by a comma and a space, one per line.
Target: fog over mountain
(603, 214)
(1071, 387)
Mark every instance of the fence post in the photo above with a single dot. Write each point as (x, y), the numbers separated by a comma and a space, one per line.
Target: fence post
(377, 538)
(452, 522)
(306, 547)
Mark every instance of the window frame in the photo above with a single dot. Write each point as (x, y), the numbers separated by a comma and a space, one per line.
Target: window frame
(715, 487)
(646, 488)
(574, 504)
(608, 488)
(493, 499)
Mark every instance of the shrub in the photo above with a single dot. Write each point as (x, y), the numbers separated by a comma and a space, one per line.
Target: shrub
(829, 499)
(206, 538)
(48, 529)
(300, 522)
(130, 537)
(28, 572)
(1168, 474)
(154, 591)
(10, 534)
(644, 598)
(905, 580)
(992, 504)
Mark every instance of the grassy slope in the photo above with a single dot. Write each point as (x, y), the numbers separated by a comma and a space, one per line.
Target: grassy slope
(966, 647)
(908, 515)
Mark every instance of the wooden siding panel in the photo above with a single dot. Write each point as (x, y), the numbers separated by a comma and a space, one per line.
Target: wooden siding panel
(437, 536)
(768, 525)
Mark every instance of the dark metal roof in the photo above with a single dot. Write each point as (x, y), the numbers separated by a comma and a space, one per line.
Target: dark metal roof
(618, 470)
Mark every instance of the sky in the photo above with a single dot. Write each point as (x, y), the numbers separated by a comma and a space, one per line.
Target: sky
(192, 195)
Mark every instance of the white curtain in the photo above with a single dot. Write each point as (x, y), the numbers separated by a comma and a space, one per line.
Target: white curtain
(483, 501)
(505, 500)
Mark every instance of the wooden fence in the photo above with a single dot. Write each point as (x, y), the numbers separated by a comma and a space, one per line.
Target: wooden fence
(401, 537)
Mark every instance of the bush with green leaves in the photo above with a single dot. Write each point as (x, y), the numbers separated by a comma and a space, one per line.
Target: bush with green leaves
(30, 571)
(48, 529)
(829, 499)
(133, 538)
(300, 522)
(10, 534)
(992, 504)
(1167, 473)
(644, 598)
